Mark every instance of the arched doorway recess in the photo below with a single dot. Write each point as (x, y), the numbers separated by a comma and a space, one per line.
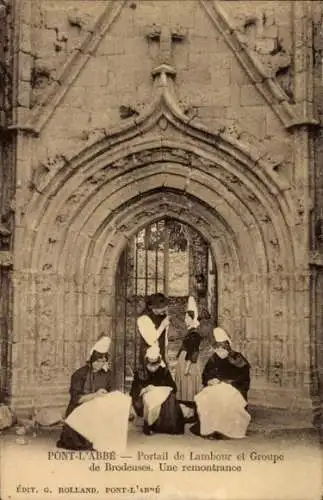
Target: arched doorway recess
(172, 258)
(85, 210)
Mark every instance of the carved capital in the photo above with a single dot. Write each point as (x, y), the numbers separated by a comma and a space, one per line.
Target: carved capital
(5, 259)
(316, 259)
(153, 32)
(163, 71)
(4, 237)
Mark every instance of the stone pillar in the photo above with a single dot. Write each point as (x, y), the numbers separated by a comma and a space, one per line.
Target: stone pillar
(7, 205)
(316, 193)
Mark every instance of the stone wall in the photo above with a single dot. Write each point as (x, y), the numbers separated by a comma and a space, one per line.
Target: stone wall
(316, 190)
(5, 335)
(214, 87)
(7, 196)
(132, 110)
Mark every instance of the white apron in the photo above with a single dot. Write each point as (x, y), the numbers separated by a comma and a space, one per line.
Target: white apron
(103, 421)
(153, 398)
(221, 408)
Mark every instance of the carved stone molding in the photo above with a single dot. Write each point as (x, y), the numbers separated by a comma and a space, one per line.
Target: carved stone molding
(4, 237)
(166, 37)
(164, 114)
(303, 60)
(316, 259)
(5, 259)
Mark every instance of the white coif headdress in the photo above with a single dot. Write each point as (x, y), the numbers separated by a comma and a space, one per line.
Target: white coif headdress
(221, 335)
(192, 306)
(153, 353)
(102, 345)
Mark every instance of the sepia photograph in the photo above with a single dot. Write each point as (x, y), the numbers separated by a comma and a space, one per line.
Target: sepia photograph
(161, 249)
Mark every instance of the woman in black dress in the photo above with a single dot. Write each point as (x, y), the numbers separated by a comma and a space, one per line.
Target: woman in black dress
(92, 380)
(226, 369)
(188, 374)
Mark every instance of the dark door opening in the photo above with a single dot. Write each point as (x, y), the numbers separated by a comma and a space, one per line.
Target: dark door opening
(168, 257)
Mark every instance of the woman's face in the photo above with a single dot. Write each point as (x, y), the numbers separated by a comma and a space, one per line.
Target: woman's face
(98, 364)
(152, 368)
(222, 349)
(160, 311)
(189, 321)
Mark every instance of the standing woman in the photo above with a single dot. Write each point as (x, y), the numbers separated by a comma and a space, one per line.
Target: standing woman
(188, 374)
(153, 327)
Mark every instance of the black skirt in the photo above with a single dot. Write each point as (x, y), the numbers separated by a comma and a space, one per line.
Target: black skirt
(72, 440)
(171, 419)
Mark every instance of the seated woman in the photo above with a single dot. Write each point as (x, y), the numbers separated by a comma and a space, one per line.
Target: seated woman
(153, 394)
(221, 405)
(87, 410)
(188, 374)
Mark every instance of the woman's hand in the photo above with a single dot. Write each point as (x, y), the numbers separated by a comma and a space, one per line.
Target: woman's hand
(87, 397)
(187, 368)
(146, 389)
(164, 324)
(213, 381)
(101, 392)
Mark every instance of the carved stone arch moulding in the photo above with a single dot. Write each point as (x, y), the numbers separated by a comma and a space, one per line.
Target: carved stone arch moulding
(194, 156)
(84, 210)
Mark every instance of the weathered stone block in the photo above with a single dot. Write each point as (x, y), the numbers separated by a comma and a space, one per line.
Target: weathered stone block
(25, 43)
(221, 78)
(266, 45)
(95, 73)
(250, 96)
(212, 112)
(44, 43)
(238, 75)
(24, 94)
(53, 18)
(254, 122)
(25, 66)
(111, 45)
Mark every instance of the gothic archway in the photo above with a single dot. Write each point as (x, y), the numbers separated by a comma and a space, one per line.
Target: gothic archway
(85, 210)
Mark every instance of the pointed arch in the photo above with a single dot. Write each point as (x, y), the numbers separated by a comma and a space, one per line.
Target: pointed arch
(85, 209)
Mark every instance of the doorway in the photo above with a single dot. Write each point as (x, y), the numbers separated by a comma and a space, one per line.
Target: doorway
(170, 257)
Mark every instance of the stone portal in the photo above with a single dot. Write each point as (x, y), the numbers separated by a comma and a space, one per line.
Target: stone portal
(115, 116)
